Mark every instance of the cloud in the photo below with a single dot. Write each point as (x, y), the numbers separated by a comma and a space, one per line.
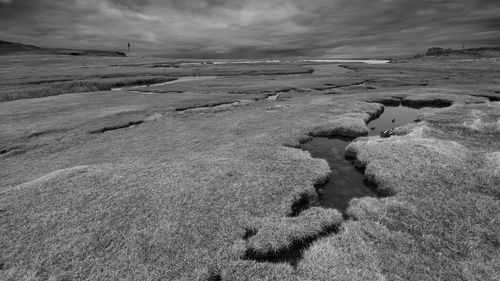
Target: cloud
(253, 28)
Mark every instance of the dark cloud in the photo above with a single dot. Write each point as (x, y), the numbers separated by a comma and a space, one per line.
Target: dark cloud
(253, 28)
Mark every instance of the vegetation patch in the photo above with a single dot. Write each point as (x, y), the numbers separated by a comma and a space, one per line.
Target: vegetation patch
(284, 239)
(474, 125)
(341, 126)
(379, 152)
(349, 124)
(349, 255)
(388, 101)
(78, 86)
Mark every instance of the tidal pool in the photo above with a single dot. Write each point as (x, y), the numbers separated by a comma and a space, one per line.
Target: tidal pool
(397, 116)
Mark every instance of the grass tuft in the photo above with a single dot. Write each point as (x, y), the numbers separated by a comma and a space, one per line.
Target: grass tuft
(277, 235)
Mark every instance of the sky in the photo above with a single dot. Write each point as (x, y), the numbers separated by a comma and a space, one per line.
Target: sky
(253, 28)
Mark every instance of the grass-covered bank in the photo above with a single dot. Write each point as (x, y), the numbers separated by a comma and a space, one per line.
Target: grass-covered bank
(442, 220)
(191, 196)
(76, 86)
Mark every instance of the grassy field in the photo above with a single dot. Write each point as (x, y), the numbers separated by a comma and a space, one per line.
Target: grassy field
(124, 185)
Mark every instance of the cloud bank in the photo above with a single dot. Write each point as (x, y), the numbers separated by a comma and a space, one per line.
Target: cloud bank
(253, 28)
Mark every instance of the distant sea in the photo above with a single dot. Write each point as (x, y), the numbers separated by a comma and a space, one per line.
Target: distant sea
(288, 61)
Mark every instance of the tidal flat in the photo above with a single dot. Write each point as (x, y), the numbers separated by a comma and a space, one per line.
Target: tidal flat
(133, 169)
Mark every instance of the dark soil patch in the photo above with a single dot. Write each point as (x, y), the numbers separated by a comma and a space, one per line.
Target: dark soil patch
(330, 86)
(209, 105)
(48, 81)
(438, 102)
(333, 93)
(14, 150)
(489, 97)
(215, 277)
(411, 103)
(117, 127)
(46, 132)
(249, 232)
(305, 201)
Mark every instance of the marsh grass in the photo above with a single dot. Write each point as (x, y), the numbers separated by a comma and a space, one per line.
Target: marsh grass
(275, 235)
(434, 207)
(183, 196)
(79, 86)
(349, 124)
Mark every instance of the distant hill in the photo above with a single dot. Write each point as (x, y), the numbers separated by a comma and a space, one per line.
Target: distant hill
(10, 47)
(7, 48)
(472, 52)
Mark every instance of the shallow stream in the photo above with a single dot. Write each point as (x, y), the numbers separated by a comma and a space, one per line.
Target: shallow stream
(345, 180)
